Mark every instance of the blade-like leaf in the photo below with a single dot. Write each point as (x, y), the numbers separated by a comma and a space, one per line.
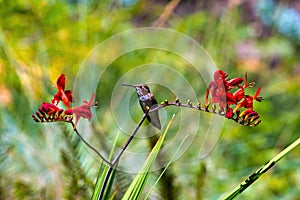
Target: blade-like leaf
(136, 187)
(102, 174)
(171, 160)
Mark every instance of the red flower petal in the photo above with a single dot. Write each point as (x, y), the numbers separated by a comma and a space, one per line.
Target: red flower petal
(235, 82)
(49, 108)
(61, 82)
(239, 94)
(229, 113)
(230, 98)
(69, 94)
(256, 97)
(56, 98)
(62, 95)
(220, 75)
(83, 110)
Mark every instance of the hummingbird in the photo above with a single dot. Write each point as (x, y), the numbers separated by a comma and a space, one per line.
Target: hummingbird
(147, 99)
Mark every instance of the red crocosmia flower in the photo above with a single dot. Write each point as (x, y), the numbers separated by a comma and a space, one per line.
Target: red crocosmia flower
(256, 97)
(83, 110)
(234, 82)
(218, 95)
(249, 117)
(220, 78)
(247, 102)
(217, 91)
(220, 75)
(229, 113)
(230, 96)
(51, 113)
(239, 94)
(62, 94)
(49, 108)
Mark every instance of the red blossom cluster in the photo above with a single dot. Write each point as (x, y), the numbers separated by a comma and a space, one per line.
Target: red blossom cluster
(49, 112)
(236, 104)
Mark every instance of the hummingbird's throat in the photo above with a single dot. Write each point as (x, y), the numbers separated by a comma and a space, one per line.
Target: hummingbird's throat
(146, 97)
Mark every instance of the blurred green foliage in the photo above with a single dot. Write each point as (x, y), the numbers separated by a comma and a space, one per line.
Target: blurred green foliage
(41, 39)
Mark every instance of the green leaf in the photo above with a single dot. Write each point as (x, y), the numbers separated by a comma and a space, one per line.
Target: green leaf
(171, 160)
(103, 171)
(136, 187)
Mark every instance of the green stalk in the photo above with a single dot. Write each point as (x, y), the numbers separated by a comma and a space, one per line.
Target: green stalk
(136, 187)
(103, 170)
(87, 144)
(254, 176)
(113, 164)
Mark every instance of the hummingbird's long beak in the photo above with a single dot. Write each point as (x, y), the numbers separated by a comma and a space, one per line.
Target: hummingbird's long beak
(124, 84)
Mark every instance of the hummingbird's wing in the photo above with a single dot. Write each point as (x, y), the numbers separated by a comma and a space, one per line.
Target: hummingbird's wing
(153, 117)
(155, 121)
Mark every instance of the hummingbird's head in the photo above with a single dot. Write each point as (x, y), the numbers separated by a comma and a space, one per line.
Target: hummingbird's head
(141, 89)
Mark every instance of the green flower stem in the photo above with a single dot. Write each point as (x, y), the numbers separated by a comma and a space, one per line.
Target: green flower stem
(254, 176)
(116, 159)
(90, 146)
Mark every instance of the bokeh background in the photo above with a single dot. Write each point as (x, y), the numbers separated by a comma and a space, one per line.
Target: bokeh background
(39, 40)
